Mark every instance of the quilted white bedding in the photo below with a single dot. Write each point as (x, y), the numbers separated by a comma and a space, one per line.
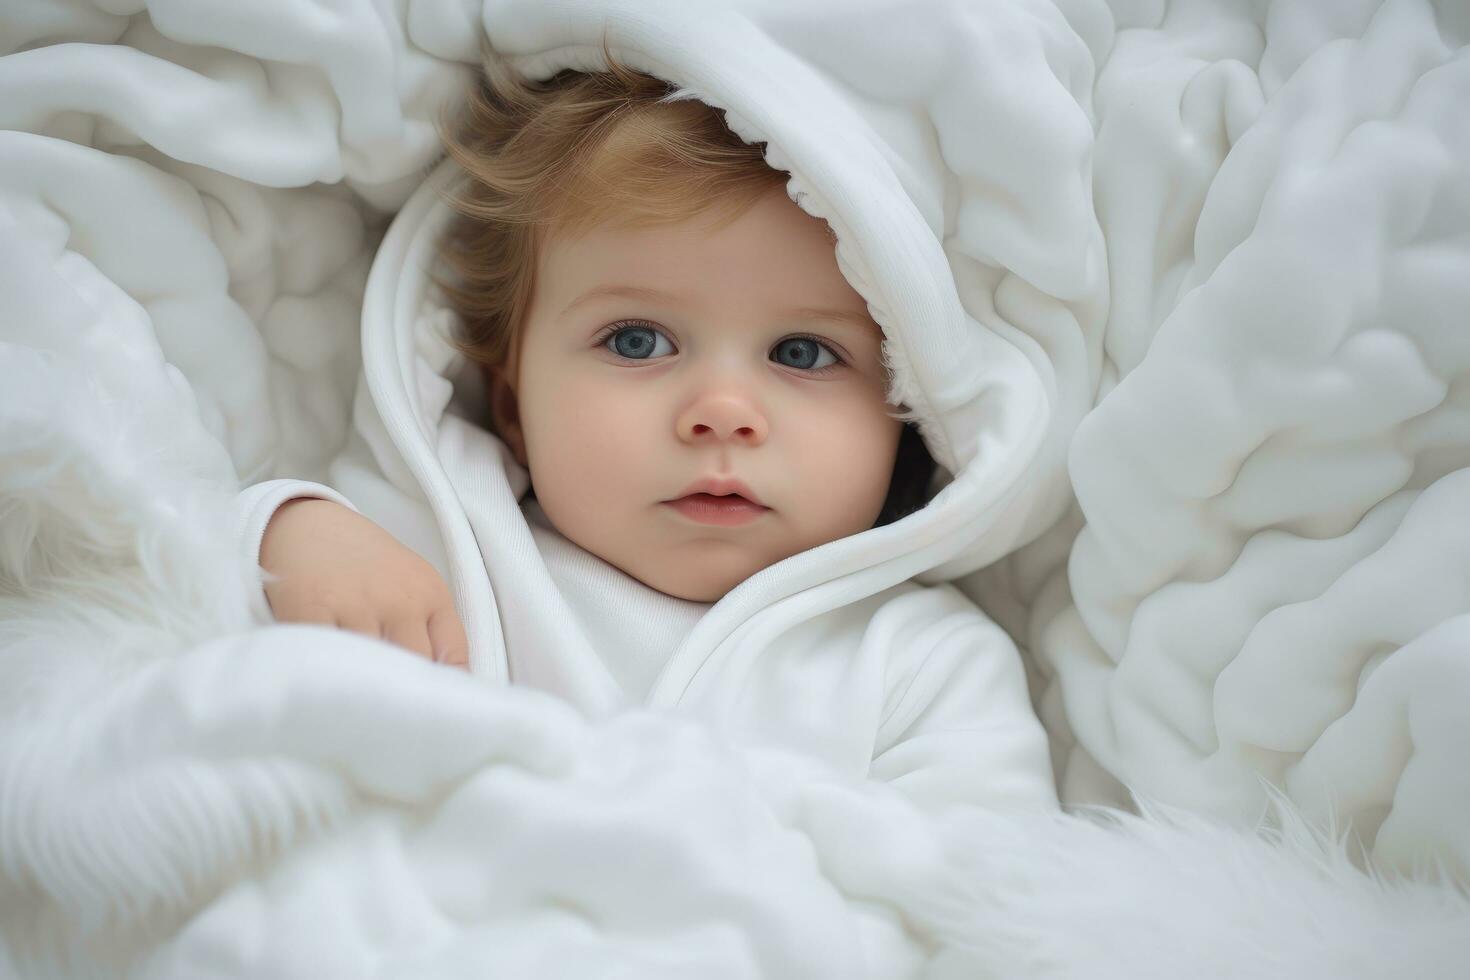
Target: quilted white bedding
(1256, 602)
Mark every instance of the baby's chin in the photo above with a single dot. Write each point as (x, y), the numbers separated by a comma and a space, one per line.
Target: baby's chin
(687, 587)
(711, 594)
(702, 571)
(702, 584)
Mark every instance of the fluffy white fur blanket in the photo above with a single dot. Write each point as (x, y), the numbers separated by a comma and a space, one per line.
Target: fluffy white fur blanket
(185, 794)
(188, 791)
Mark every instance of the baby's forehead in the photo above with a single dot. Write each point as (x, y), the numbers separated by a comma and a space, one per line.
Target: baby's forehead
(683, 267)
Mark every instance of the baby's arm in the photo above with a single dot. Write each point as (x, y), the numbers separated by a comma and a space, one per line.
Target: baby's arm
(328, 564)
(960, 727)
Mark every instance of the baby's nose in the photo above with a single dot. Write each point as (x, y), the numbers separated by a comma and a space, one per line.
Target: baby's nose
(724, 419)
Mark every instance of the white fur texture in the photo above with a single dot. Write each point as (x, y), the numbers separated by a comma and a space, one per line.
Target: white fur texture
(1227, 239)
(182, 798)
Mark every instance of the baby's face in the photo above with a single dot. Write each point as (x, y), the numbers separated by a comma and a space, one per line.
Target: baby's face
(624, 401)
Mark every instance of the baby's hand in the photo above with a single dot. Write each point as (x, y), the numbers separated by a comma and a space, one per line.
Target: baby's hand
(336, 567)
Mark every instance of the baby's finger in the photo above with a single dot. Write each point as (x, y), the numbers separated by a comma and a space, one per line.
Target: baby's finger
(359, 620)
(411, 634)
(306, 613)
(446, 634)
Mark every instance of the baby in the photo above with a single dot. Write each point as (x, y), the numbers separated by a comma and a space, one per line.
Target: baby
(670, 351)
(687, 463)
(680, 487)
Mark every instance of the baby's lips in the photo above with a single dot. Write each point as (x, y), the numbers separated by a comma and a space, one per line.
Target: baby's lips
(720, 486)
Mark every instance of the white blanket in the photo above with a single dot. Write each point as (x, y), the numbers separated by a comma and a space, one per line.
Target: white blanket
(1266, 572)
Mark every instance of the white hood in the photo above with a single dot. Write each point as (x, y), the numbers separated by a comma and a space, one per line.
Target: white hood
(987, 278)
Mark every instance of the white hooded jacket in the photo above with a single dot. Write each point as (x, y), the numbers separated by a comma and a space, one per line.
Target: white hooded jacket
(859, 651)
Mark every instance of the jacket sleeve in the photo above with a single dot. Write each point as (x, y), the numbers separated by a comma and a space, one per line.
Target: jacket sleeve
(255, 505)
(368, 475)
(959, 726)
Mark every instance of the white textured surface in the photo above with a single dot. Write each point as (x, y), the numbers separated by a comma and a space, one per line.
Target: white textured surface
(1210, 273)
(1274, 480)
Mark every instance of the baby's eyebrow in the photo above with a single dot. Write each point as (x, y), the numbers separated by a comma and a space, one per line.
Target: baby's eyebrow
(657, 295)
(627, 292)
(861, 320)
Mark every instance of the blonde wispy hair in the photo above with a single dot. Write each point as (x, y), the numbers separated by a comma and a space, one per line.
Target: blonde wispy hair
(564, 155)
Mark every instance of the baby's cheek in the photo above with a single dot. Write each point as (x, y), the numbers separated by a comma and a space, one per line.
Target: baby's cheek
(859, 454)
(848, 467)
(606, 448)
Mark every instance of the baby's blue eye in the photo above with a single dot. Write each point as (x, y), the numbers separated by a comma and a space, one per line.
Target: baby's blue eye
(637, 343)
(806, 350)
